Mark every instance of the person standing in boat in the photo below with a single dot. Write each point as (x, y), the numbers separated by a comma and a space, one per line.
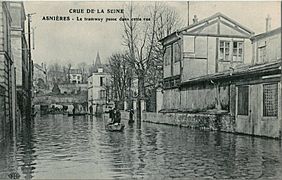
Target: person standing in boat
(117, 116)
(111, 114)
(131, 113)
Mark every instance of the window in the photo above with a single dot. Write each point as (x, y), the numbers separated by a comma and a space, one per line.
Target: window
(167, 55)
(262, 54)
(237, 51)
(270, 99)
(243, 100)
(224, 49)
(101, 81)
(177, 52)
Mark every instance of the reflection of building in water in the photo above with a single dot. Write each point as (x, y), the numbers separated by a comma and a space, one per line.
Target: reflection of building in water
(28, 155)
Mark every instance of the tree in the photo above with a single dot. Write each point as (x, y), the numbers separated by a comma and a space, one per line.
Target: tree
(120, 73)
(84, 71)
(142, 40)
(55, 73)
(68, 72)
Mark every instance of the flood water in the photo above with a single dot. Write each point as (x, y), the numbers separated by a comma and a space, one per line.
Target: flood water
(58, 146)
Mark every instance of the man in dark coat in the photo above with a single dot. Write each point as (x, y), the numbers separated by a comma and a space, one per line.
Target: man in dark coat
(112, 115)
(117, 116)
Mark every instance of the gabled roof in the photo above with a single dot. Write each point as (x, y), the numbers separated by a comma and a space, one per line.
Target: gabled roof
(207, 20)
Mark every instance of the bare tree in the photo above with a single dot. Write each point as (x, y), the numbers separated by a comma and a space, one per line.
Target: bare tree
(120, 73)
(142, 40)
(84, 71)
(68, 71)
(55, 73)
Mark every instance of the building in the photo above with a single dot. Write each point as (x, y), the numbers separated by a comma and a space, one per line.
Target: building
(6, 68)
(20, 55)
(226, 71)
(75, 76)
(209, 46)
(99, 88)
(258, 97)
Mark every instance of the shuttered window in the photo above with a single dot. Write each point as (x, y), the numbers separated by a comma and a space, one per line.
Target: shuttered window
(177, 52)
(167, 55)
(243, 100)
(270, 99)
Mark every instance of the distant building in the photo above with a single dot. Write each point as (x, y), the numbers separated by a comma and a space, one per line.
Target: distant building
(75, 76)
(98, 88)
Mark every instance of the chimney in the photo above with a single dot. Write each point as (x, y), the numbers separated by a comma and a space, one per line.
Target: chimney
(195, 19)
(268, 23)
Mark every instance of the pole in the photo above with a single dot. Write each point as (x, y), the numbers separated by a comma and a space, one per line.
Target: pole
(188, 4)
(29, 69)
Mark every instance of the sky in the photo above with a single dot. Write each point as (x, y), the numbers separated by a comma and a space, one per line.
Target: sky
(79, 41)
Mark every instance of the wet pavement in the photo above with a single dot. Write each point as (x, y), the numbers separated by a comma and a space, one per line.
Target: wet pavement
(58, 146)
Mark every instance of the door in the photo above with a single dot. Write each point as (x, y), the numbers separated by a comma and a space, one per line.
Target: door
(243, 115)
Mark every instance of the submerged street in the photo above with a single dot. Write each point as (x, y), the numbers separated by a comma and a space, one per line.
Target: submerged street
(58, 146)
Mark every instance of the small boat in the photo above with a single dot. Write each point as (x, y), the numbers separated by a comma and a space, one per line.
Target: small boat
(115, 127)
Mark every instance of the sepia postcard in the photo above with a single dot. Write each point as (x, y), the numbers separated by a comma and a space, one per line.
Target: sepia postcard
(140, 90)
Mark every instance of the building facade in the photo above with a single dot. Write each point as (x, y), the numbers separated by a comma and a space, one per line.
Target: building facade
(6, 66)
(20, 56)
(75, 76)
(226, 71)
(209, 46)
(98, 91)
(258, 99)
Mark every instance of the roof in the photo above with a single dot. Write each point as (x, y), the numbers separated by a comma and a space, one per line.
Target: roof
(215, 16)
(246, 70)
(267, 34)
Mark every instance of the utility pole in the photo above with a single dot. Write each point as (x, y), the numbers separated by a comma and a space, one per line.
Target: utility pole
(30, 64)
(188, 4)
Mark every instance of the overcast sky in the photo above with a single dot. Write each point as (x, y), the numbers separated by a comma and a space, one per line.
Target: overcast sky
(80, 41)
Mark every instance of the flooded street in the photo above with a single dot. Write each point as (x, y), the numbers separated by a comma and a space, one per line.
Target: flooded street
(58, 146)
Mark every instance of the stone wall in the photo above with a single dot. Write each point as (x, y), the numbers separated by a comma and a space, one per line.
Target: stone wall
(215, 122)
(60, 99)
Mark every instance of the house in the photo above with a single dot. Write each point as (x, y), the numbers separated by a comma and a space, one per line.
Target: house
(75, 76)
(209, 46)
(237, 78)
(258, 97)
(99, 88)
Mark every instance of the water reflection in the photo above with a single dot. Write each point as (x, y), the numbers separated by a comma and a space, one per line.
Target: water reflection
(57, 146)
